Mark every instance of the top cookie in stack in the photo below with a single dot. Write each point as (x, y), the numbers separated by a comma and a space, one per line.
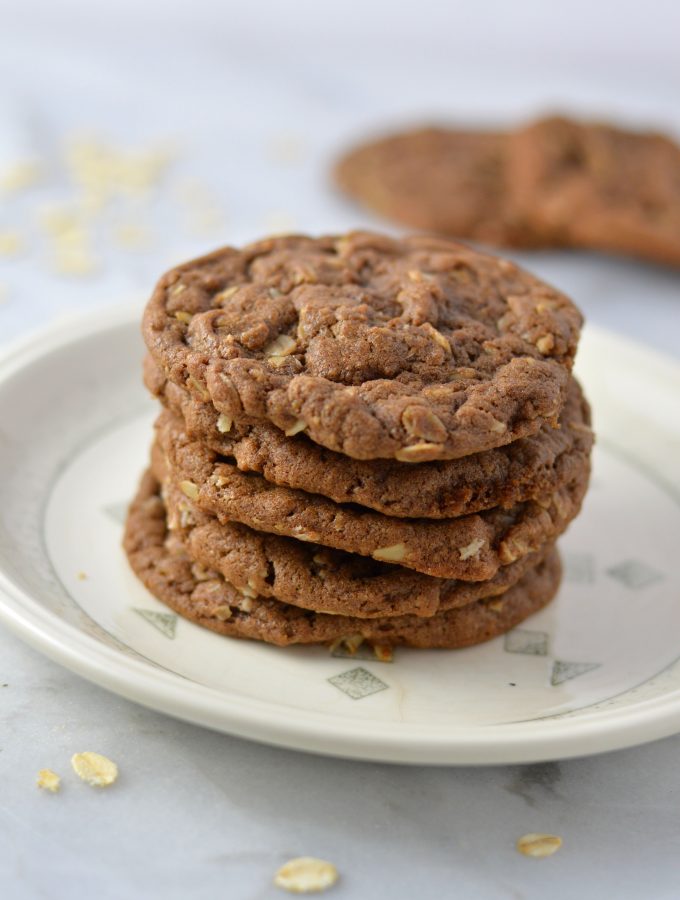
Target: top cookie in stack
(364, 438)
(413, 350)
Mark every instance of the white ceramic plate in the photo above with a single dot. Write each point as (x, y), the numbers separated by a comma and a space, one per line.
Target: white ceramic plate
(598, 669)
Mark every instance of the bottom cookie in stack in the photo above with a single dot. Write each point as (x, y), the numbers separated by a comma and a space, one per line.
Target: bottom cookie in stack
(161, 559)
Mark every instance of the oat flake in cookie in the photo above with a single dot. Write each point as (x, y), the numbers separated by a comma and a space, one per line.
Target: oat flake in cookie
(414, 349)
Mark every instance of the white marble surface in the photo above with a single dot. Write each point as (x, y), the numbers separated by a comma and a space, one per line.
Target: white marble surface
(256, 102)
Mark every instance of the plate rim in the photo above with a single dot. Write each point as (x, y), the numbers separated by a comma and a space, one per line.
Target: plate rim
(267, 722)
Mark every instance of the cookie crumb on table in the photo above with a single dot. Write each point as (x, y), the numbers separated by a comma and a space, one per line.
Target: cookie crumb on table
(11, 244)
(19, 176)
(132, 236)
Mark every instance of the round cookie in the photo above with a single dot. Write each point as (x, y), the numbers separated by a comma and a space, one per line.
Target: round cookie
(162, 564)
(533, 466)
(435, 179)
(411, 349)
(471, 547)
(596, 186)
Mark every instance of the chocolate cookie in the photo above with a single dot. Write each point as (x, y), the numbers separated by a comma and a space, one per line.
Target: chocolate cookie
(326, 579)
(471, 547)
(530, 467)
(553, 183)
(412, 349)
(320, 578)
(435, 179)
(162, 564)
(596, 186)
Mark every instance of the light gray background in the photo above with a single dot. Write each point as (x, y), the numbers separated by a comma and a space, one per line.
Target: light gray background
(199, 815)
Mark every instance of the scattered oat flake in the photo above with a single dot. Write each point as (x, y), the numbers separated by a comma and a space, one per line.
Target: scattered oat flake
(95, 769)
(205, 221)
(103, 171)
(48, 780)
(306, 875)
(11, 243)
(193, 192)
(133, 236)
(539, 845)
(58, 220)
(72, 237)
(20, 175)
(91, 202)
(74, 260)
(279, 222)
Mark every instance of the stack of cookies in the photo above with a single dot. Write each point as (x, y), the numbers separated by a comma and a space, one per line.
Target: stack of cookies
(361, 439)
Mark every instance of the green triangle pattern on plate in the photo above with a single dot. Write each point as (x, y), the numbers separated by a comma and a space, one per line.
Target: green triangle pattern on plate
(166, 623)
(564, 671)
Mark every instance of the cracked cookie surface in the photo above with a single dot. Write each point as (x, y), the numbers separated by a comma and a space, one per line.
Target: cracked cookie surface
(413, 349)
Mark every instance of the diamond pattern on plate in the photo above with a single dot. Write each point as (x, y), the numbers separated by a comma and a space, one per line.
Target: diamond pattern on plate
(166, 623)
(566, 671)
(531, 643)
(635, 574)
(358, 683)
